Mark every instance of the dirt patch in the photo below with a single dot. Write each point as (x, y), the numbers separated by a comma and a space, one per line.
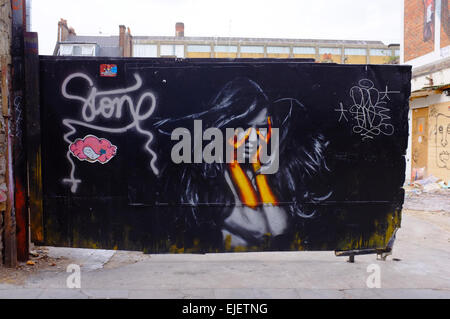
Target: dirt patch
(39, 261)
(123, 258)
(417, 200)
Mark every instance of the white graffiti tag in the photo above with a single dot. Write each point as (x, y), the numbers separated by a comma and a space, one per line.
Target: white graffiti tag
(107, 105)
(368, 111)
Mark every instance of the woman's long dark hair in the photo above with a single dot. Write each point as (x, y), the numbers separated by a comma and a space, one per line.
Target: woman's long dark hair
(299, 181)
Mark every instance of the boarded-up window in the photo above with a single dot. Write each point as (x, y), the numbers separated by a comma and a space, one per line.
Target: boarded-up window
(355, 51)
(278, 50)
(380, 52)
(304, 50)
(225, 48)
(199, 48)
(252, 49)
(334, 51)
(145, 50)
(176, 50)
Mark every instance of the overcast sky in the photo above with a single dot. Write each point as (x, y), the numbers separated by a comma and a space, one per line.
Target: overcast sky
(301, 19)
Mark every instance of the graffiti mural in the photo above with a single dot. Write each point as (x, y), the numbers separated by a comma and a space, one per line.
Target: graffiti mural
(210, 156)
(445, 17)
(259, 204)
(369, 110)
(93, 149)
(428, 20)
(107, 105)
(442, 133)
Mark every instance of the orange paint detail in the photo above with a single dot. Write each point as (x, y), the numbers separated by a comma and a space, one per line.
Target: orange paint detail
(246, 191)
(250, 196)
(266, 194)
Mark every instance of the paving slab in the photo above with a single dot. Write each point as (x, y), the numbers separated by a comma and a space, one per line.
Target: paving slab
(106, 294)
(20, 293)
(418, 268)
(53, 293)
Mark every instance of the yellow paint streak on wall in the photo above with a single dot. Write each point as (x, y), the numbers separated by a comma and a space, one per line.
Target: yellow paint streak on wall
(198, 55)
(336, 58)
(297, 243)
(228, 243)
(378, 239)
(277, 55)
(240, 249)
(195, 247)
(305, 56)
(252, 55)
(225, 55)
(356, 59)
(175, 250)
(379, 59)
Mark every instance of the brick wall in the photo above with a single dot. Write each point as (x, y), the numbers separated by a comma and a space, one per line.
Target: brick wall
(5, 60)
(125, 41)
(416, 42)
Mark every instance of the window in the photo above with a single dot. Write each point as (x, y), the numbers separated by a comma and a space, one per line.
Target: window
(355, 51)
(77, 50)
(65, 50)
(88, 50)
(199, 48)
(305, 50)
(179, 51)
(335, 51)
(278, 50)
(167, 50)
(252, 49)
(172, 50)
(145, 50)
(380, 52)
(225, 48)
(397, 52)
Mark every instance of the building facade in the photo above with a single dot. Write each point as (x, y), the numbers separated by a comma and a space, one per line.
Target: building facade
(70, 44)
(336, 51)
(180, 46)
(426, 46)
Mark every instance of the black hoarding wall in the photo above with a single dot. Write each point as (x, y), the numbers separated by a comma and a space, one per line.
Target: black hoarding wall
(114, 132)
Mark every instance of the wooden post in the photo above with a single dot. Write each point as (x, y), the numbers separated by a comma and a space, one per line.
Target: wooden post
(33, 137)
(9, 235)
(18, 115)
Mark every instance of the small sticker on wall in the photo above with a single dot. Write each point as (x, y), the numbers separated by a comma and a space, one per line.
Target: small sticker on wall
(93, 149)
(108, 70)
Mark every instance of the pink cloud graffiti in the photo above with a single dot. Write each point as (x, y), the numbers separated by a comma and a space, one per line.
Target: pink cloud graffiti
(93, 149)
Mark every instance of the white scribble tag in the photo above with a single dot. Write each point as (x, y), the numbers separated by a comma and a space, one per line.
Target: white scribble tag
(369, 113)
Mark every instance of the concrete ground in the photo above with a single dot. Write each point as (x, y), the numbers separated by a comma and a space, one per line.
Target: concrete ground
(418, 268)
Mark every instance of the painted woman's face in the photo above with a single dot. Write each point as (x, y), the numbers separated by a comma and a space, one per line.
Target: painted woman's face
(258, 122)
